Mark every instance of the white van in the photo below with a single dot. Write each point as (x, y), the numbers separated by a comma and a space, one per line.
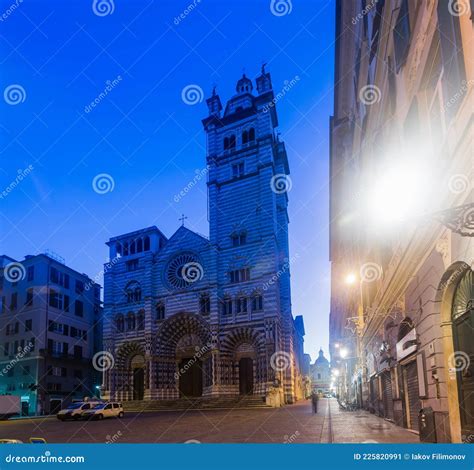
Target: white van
(104, 410)
(75, 410)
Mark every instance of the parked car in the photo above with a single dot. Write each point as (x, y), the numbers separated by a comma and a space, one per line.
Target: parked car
(76, 410)
(104, 410)
(9, 406)
(33, 440)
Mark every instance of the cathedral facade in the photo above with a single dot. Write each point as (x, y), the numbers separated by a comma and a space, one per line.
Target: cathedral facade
(191, 316)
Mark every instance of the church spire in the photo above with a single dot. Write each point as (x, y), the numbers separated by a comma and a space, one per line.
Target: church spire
(264, 82)
(214, 103)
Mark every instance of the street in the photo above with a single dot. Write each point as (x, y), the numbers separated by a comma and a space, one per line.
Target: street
(290, 424)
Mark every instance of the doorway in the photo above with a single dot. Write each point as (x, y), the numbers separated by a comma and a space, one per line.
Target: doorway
(138, 383)
(246, 376)
(463, 358)
(190, 378)
(54, 405)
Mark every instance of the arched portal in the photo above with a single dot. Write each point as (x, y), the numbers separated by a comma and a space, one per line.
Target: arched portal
(462, 360)
(130, 372)
(185, 363)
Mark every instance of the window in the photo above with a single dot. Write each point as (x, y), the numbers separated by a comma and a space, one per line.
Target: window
(319, 376)
(241, 305)
(160, 311)
(229, 142)
(239, 239)
(257, 303)
(28, 325)
(78, 308)
(11, 372)
(59, 278)
(401, 36)
(133, 292)
(29, 298)
(227, 306)
(14, 301)
(146, 243)
(141, 320)
(238, 170)
(239, 275)
(30, 273)
(32, 344)
(79, 287)
(251, 134)
(130, 322)
(6, 347)
(204, 304)
(57, 348)
(58, 300)
(132, 265)
(119, 322)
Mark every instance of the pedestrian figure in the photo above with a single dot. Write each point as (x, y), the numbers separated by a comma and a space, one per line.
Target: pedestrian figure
(314, 401)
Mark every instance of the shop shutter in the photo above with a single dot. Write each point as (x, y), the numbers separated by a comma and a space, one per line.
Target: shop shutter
(412, 391)
(387, 395)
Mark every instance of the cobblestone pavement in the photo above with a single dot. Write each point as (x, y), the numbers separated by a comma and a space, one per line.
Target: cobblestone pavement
(290, 424)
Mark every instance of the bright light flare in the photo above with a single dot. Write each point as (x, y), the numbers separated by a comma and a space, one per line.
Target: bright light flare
(350, 279)
(344, 352)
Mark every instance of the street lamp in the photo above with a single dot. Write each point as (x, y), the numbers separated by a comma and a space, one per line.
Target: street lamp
(350, 279)
(343, 353)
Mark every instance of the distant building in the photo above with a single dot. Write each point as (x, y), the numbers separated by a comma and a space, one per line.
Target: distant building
(321, 374)
(50, 328)
(188, 316)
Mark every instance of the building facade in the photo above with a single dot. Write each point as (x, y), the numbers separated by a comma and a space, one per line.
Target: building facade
(190, 316)
(50, 328)
(321, 374)
(402, 212)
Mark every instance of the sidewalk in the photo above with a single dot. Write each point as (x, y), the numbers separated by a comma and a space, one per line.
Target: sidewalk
(360, 426)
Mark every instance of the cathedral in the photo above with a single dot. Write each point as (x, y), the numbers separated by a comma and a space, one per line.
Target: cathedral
(190, 316)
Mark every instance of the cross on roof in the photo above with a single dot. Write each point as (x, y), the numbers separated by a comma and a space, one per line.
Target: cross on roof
(182, 219)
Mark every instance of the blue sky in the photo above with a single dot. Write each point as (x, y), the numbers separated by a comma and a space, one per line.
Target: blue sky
(143, 134)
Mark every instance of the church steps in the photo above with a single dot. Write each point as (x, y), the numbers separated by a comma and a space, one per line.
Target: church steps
(195, 404)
